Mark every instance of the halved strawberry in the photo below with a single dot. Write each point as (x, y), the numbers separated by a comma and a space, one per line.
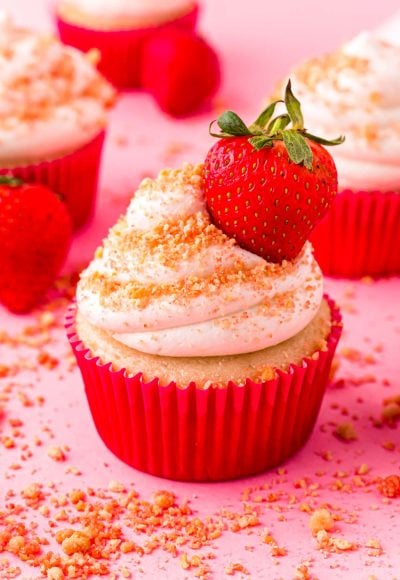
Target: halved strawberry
(268, 185)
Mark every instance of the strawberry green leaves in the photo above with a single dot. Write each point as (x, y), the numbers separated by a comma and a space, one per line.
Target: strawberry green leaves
(231, 125)
(266, 129)
(297, 147)
(293, 108)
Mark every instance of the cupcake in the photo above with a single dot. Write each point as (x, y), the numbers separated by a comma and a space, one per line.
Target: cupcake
(204, 359)
(53, 115)
(355, 91)
(201, 361)
(119, 29)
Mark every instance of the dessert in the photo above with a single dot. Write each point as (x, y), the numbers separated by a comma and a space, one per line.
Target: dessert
(181, 71)
(203, 360)
(355, 91)
(390, 29)
(35, 234)
(53, 115)
(119, 29)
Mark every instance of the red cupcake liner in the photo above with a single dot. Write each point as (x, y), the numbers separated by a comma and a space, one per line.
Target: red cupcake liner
(360, 235)
(212, 434)
(74, 177)
(121, 50)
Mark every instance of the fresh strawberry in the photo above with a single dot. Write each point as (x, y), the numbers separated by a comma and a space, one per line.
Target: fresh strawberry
(35, 233)
(180, 70)
(268, 185)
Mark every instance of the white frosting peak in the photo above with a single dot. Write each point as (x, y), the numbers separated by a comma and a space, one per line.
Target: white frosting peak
(168, 282)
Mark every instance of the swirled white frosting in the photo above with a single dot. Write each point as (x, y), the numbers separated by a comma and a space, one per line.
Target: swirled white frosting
(356, 92)
(168, 282)
(126, 12)
(52, 99)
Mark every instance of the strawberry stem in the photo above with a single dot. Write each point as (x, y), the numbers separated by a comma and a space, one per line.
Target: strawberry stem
(266, 129)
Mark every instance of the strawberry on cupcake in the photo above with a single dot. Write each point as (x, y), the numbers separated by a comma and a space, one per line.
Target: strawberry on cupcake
(200, 326)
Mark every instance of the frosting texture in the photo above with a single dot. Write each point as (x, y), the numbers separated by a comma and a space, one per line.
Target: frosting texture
(356, 92)
(52, 99)
(124, 13)
(390, 29)
(166, 281)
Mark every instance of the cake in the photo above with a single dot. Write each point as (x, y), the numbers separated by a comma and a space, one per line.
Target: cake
(119, 29)
(354, 91)
(201, 361)
(53, 115)
(202, 334)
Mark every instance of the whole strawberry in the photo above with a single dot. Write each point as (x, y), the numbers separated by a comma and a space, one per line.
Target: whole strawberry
(269, 184)
(35, 233)
(180, 70)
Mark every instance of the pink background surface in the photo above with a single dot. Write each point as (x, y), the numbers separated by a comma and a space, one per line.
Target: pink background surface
(258, 41)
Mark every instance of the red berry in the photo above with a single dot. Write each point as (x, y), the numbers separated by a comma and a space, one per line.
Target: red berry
(268, 203)
(180, 70)
(35, 233)
(268, 185)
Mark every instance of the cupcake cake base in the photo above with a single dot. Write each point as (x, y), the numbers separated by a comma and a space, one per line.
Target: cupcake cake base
(206, 432)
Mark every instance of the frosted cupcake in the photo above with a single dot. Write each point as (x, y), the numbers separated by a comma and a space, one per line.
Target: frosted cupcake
(201, 360)
(53, 116)
(355, 91)
(119, 28)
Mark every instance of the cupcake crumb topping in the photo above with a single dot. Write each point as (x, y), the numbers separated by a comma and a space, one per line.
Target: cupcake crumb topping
(165, 269)
(47, 91)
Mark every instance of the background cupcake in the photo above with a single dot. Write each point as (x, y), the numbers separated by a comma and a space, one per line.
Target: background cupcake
(355, 92)
(53, 115)
(201, 360)
(119, 29)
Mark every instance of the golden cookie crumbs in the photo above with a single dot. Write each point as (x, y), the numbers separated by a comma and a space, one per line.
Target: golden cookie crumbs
(345, 432)
(116, 486)
(332, 544)
(236, 567)
(390, 486)
(164, 499)
(321, 519)
(388, 445)
(56, 453)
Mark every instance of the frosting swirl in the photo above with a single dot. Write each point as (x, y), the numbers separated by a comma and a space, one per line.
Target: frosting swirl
(52, 99)
(123, 13)
(167, 281)
(355, 92)
(390, 29)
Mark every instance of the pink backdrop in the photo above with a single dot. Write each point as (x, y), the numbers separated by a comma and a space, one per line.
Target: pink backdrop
(258, 42)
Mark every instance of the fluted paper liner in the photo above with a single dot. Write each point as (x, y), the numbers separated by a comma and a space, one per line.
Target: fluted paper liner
(360, 235)
(120, 50)
(73, 176)
(205, 434)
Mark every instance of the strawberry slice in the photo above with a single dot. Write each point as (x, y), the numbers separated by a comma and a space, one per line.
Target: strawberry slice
(269, 184)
